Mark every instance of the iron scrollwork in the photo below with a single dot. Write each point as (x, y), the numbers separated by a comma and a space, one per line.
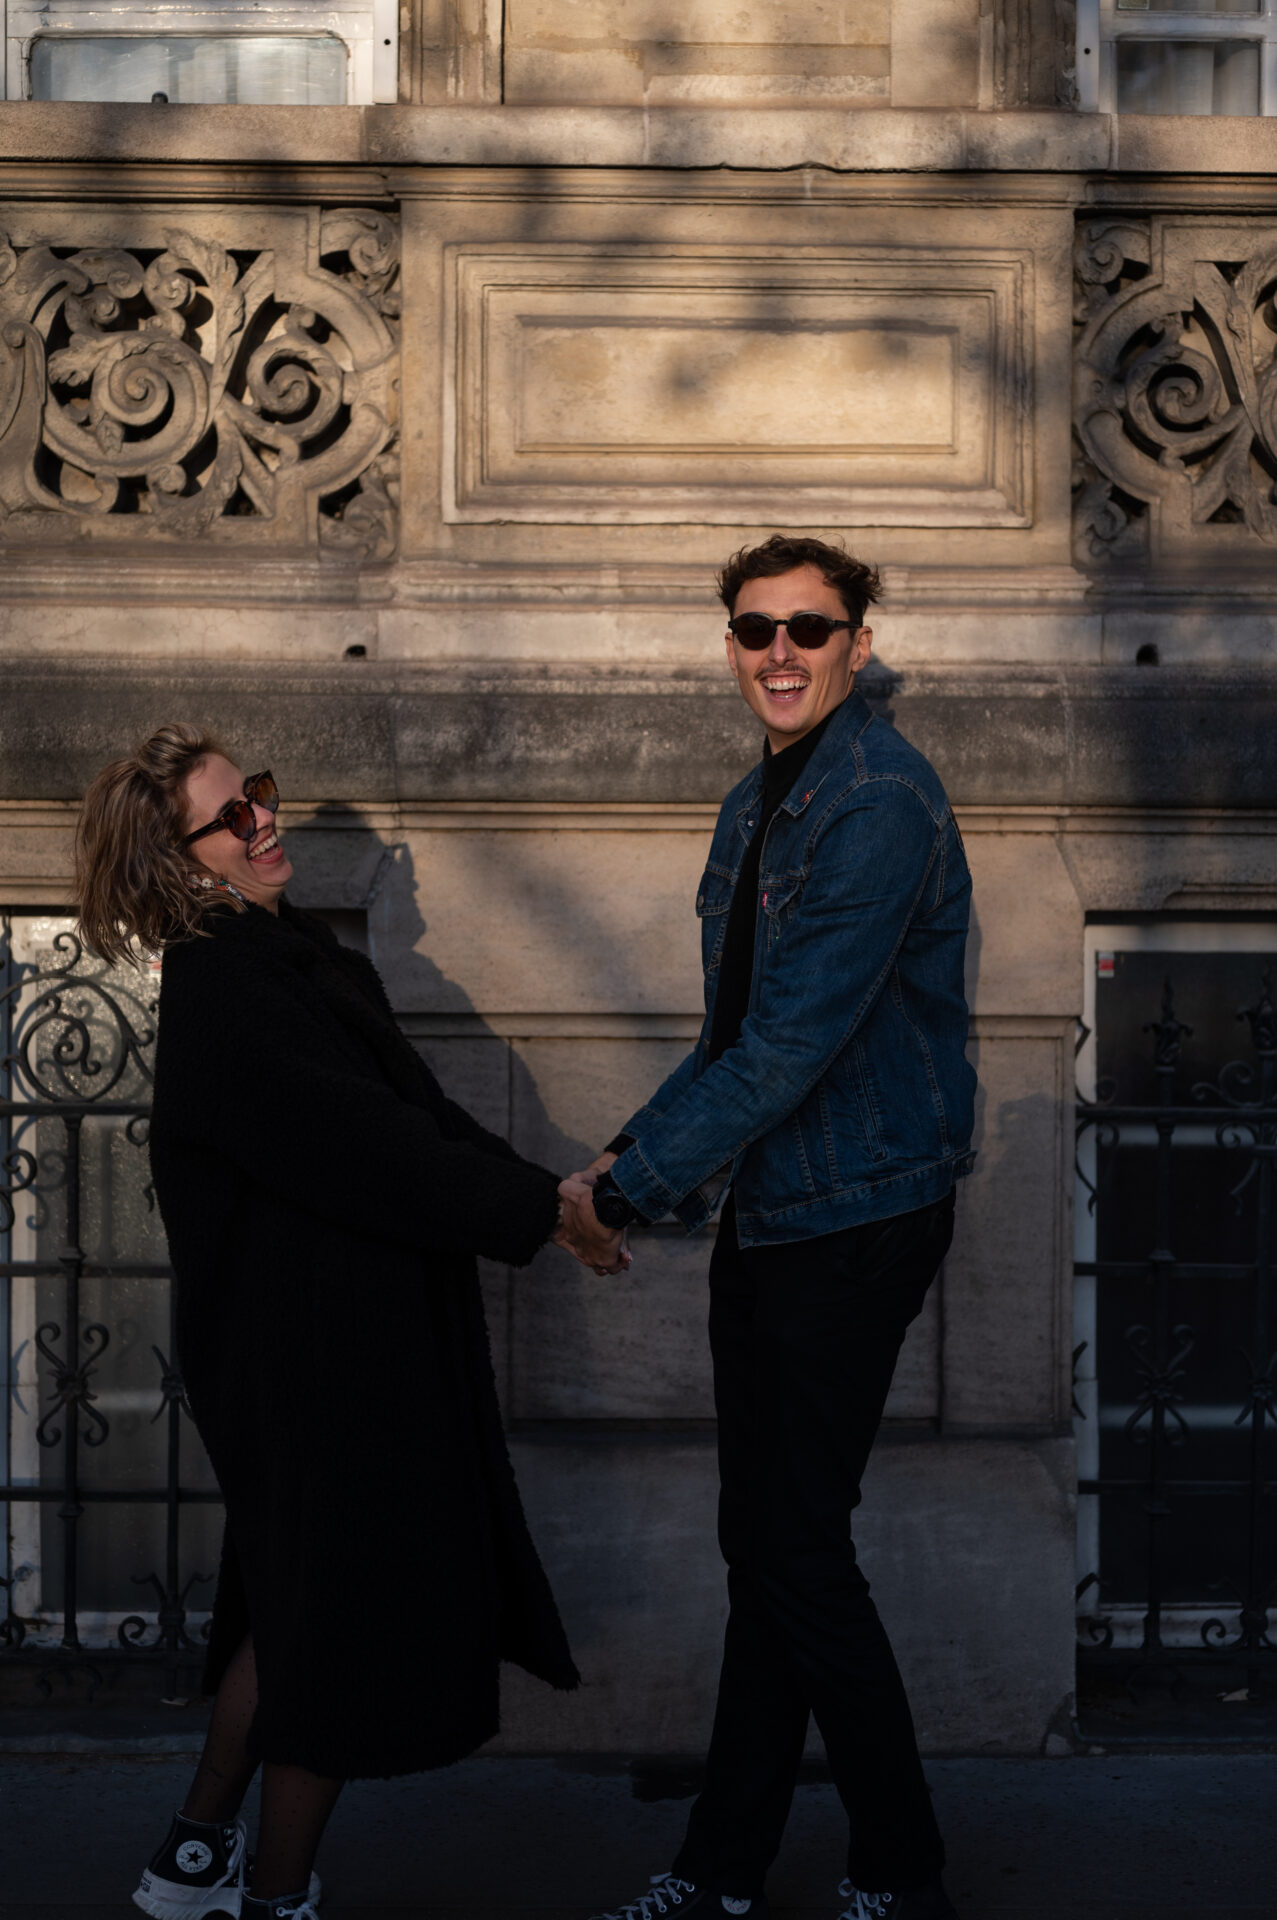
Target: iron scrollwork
(19, 1170)
(72, 1388)
(1161, 1376)
(81, 1035)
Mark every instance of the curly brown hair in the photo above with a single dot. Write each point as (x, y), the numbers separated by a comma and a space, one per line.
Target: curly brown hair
(132, 873)
(857, 584)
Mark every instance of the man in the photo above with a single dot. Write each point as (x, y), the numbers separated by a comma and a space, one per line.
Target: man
(829, 1099)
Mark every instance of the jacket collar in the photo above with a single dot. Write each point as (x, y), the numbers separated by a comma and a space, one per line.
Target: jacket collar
(846, 725)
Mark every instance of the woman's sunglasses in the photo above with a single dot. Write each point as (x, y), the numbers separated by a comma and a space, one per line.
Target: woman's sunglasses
(237, 816)
(755, 631)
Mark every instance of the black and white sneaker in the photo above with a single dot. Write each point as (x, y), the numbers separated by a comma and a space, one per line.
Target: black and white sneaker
(919, 1903)
(668, 1894)
(201, 1869)
(198, 1869)
(312, 1893)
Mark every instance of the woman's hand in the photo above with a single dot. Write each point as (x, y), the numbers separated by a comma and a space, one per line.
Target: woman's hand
(582, 1232)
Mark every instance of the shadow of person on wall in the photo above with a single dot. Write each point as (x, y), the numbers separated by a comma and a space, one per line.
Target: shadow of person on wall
(364, 885)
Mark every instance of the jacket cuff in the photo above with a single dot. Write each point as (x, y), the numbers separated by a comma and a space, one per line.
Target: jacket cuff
(646, 1192)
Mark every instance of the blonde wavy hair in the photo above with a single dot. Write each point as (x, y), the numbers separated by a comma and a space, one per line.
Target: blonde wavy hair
(132, 873)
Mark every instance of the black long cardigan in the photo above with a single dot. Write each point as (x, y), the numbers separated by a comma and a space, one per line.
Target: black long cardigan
(324, 1203)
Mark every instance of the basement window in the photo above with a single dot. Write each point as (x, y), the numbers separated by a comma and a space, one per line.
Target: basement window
(215, 53)
(1178, 57)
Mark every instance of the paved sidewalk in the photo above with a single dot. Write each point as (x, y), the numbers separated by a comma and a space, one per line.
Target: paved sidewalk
(1097, 1838)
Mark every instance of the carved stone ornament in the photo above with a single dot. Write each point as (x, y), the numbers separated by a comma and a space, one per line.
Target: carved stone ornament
(1175, 392)
(237, 387)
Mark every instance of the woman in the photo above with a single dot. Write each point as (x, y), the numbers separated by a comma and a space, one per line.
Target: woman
(324, 1203)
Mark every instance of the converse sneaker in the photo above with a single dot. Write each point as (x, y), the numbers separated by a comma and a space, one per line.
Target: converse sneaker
(668, 1894)
(201, 1868)
(312, 1893)
(919, 1903)
(198, 1868)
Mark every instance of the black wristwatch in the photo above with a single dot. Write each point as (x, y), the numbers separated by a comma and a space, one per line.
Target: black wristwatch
(611, 1207)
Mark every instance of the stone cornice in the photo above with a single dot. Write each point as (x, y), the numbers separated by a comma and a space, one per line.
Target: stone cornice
(870, 140)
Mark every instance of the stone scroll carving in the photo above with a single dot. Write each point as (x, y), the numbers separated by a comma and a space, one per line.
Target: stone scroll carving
(238, 385)
(1175, 391)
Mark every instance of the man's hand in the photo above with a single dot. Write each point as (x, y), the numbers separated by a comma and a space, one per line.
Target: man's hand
(583, 1233)
(591, 1173)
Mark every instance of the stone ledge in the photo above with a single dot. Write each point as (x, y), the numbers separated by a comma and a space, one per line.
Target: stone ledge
(358, 732)
(858, 140)
(874, 140)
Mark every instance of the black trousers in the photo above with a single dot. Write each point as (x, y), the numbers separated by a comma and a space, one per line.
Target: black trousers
(805, 1339)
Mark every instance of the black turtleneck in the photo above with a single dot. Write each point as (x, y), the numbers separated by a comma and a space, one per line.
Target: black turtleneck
(736, 968)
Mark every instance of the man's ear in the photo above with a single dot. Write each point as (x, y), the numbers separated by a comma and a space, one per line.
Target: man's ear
(861, 647)
(731, 657)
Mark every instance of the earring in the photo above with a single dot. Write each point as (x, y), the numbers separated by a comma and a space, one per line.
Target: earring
(204, 881)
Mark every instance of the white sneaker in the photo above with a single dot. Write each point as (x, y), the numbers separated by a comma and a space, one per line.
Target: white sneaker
(864, 1906)
(668, 1894)
(922, 1903)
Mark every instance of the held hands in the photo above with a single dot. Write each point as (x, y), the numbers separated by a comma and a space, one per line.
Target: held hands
(580, 1229)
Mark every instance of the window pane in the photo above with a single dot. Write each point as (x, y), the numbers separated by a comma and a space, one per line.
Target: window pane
(307, 70)
(1187, 76)
(1188, 6)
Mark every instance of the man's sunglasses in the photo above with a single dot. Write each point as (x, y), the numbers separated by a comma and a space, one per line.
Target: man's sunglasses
(755, 631)
(237, 816)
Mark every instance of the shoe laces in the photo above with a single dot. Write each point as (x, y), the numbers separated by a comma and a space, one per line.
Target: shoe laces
(864, 1906)
(665, 1888)
(235, 1840)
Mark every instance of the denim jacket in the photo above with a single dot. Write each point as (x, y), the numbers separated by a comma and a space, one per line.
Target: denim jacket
(848, 1096)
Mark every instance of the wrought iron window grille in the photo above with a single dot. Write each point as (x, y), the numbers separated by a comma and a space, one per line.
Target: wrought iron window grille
(1231, 1113)
(76, 1049)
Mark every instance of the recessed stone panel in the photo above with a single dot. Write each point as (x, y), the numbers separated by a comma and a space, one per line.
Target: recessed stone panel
(629, 1347)
(719, 385)
(475, 1072)
(493, 922)
(968, 1546)
(569, 1096)
(1009, 1270)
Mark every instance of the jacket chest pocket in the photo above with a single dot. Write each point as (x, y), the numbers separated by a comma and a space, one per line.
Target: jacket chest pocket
(778, 900)
(713, 903)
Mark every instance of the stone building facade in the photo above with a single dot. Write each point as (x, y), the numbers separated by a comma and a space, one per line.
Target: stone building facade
(399, 442)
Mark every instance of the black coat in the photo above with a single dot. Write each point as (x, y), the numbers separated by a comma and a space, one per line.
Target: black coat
(324, 1204)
